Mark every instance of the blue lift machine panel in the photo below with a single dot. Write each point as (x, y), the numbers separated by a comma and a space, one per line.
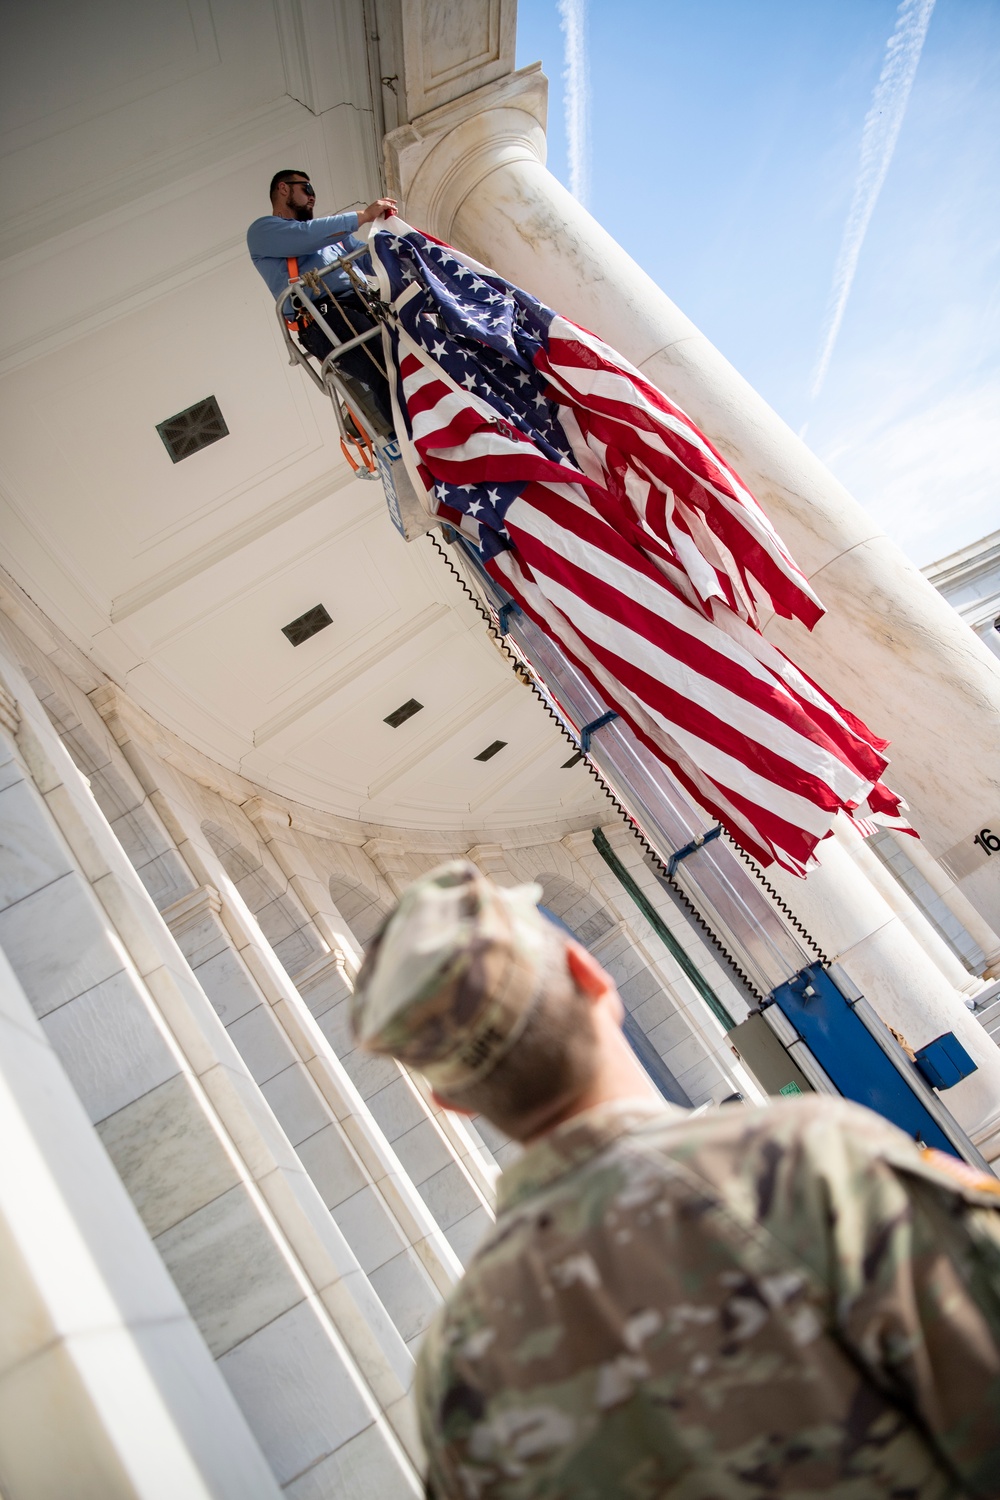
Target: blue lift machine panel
(851, 1056)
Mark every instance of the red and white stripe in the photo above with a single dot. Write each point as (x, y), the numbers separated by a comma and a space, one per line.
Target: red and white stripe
(645, 561)
(676, 495)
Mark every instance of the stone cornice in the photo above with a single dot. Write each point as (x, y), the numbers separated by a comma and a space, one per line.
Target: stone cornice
(127, 720)
(34, 623)
(205, 901)
(433, 163)
(966, 564)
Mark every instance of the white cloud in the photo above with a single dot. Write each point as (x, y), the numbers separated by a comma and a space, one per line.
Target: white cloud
(878, 142)
(576, 95)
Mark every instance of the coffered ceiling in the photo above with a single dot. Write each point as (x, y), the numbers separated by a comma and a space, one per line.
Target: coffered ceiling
(137, 143)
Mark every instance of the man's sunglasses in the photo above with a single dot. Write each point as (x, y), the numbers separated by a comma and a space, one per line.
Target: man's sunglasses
(310, 190)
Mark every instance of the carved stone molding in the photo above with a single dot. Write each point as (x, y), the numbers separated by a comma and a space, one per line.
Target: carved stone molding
(320, 968)
(619, 929)
(453, 46)
(323, 53)
(433, 163)
(491, 859)
(390, 860)
(205, 901)
(23, 612)
(581, 844)
(127, 721)
(267, 813)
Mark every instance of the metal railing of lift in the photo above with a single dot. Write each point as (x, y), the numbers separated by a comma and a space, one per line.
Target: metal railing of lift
(342, 391)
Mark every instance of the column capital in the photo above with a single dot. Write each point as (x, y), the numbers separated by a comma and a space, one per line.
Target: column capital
(579, 844)
(205, 901)
(109, 701)
(439, 158)
(259, 811)
(389, 859)
(492, 860)
(320, 968)
(598, 945)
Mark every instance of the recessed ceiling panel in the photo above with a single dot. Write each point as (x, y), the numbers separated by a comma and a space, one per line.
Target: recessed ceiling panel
(74, 56)
(154, 129)
(237, 657)
(196, 427)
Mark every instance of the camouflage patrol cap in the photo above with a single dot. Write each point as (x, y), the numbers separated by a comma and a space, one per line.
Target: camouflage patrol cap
(451, 976)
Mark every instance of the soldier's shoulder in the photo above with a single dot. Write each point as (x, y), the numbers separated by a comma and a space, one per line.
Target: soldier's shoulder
(803, 1126)
(791, 1164)
(784, 1167)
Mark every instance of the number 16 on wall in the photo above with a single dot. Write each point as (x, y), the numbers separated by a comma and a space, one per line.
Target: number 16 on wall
(987, 840)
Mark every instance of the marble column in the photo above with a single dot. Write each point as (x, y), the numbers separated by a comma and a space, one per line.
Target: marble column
(407, 1264)
(472, 171)
(274, 825)
(957, 902)
(467, 1184)
(908, 912)
(106, 1387)
(261, 1266)
(398, 1236)
(654, 989)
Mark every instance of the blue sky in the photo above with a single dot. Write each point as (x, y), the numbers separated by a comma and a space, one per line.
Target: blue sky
(724, 153)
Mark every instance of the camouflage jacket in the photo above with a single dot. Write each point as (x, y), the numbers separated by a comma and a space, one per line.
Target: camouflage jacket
(789, 1301)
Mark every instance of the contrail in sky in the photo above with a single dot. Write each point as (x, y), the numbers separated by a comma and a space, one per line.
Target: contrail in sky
(573, 23)
(878, 141)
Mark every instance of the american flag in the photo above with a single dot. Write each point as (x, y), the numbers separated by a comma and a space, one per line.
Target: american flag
(601, 509)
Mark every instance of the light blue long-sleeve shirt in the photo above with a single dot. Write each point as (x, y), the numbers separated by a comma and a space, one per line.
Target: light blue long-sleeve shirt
(314, 243)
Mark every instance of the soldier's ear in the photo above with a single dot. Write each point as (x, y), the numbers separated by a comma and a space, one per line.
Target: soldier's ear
(586, 972)
(456, 1109)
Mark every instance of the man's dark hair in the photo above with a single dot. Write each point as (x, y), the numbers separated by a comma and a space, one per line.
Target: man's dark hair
(285, 175)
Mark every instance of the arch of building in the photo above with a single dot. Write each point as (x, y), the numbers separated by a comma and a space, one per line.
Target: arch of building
(258, 1219)
(286, 927)
(362, 906)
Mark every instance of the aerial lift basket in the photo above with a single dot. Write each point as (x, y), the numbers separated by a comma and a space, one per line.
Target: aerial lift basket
(809, 1027)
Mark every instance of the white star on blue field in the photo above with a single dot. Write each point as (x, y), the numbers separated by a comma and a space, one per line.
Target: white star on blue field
(483, 334)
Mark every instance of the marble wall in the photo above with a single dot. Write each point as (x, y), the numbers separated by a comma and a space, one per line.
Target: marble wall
(107, 1388)
(181, 954)
(280, 1299)
(223, 1228)
(970, 581)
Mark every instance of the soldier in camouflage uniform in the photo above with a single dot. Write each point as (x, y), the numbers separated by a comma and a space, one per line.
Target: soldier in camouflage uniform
(790, 1301)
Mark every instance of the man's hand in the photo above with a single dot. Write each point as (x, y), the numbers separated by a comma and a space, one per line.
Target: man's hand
(386, 206)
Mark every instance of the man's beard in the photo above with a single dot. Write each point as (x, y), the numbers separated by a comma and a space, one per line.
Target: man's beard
(305, 212)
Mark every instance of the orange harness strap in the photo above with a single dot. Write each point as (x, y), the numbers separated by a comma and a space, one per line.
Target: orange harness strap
(362, 445)
(296, 324)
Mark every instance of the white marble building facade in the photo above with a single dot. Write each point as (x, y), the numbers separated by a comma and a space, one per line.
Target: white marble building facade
(223, 1229)
(176, 959)
(970, 581)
